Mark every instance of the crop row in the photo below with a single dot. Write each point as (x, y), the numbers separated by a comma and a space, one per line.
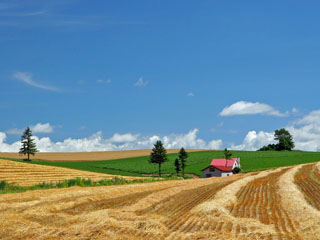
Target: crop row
(308, 180)
(260, 200)
(30, 174)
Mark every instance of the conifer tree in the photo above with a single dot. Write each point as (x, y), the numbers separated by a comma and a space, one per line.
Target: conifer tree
(177, 166)
(183, 155)
(158, 155)
(227, 155)
(28, 145)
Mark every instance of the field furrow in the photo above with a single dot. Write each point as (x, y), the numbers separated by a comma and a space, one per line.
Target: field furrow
(308, 180)
(259, 200)
(177, 209)
(26, 174)
(244, 206)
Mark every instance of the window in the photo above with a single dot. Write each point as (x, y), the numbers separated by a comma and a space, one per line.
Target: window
(212, 169)
(208, 175)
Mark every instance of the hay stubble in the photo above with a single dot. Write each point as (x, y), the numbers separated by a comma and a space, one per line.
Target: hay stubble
(251, 206)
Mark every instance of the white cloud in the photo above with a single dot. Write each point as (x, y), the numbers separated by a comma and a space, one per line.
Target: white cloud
(215, 144)
(305, 132)
(312, 118)
(246, 108)
(14, 131)
(190, 94)
(219, 125)
(27, 78)
(128, 137)
(104, 81)
(42, 128)
(117, 142)
(141, 83)
(254, 141)
(4, 147)
(38, 128)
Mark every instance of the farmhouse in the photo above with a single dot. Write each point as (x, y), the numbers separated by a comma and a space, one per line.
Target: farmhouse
(221, 167)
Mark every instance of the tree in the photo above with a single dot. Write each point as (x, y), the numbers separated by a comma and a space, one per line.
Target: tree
(236, 170)
(28, 145)
(285, 140)
(158, 155)
(270, 147)
(227, 155)
(177, 166)
(183, 155)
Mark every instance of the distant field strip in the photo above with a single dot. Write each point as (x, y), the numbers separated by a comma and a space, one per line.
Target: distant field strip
(249, 206)
(308, 180)
(135, 162)
(89, 156)
(25, 174)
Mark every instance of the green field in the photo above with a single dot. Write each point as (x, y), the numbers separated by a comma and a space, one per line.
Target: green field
(138, 166)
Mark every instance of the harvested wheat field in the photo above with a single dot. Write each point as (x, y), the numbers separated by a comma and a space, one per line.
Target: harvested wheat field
(90, 156)
(26, 174)
(275, 204)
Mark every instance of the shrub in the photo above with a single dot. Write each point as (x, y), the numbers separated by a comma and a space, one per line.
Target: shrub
(3, 185)
(236, 170)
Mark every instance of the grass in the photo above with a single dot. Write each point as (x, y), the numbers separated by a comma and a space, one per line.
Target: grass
(138, 166)
(6, 187)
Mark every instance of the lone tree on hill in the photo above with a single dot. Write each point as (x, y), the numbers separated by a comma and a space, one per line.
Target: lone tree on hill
(285, 141)
(28, 145)
(227, 155)
(183, 155)
(158, 155)
(177, 166)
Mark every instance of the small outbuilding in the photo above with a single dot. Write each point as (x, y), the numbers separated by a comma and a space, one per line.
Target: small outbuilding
(221, 167)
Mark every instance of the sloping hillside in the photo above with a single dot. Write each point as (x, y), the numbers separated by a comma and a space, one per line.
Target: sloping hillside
(25, 174)
(273, 204)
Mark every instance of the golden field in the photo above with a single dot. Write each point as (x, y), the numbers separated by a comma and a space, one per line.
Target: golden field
(89, 156)
(275, 204)
(26, 174)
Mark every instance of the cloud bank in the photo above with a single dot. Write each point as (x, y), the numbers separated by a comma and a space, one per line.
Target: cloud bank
(250, 108)
(127, 141)
(305, 132)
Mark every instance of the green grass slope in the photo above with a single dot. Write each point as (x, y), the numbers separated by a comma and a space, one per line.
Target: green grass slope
(138, 166)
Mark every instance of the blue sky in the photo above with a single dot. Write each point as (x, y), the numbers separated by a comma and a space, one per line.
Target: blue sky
(92, 71)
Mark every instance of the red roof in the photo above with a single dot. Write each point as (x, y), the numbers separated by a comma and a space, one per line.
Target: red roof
(222, 162)
(223, 169)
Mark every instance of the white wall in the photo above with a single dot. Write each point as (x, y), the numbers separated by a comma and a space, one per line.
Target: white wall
(226, 174)
(216, 173)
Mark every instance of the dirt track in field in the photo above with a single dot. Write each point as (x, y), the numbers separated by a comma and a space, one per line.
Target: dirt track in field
(250, 206)
(26, 174)
(90, 156)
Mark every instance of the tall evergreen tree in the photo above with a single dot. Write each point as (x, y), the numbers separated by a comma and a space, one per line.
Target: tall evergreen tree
(227, 155)
(177, 166)
(158, 155)
(183, 155)
(28, 145)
